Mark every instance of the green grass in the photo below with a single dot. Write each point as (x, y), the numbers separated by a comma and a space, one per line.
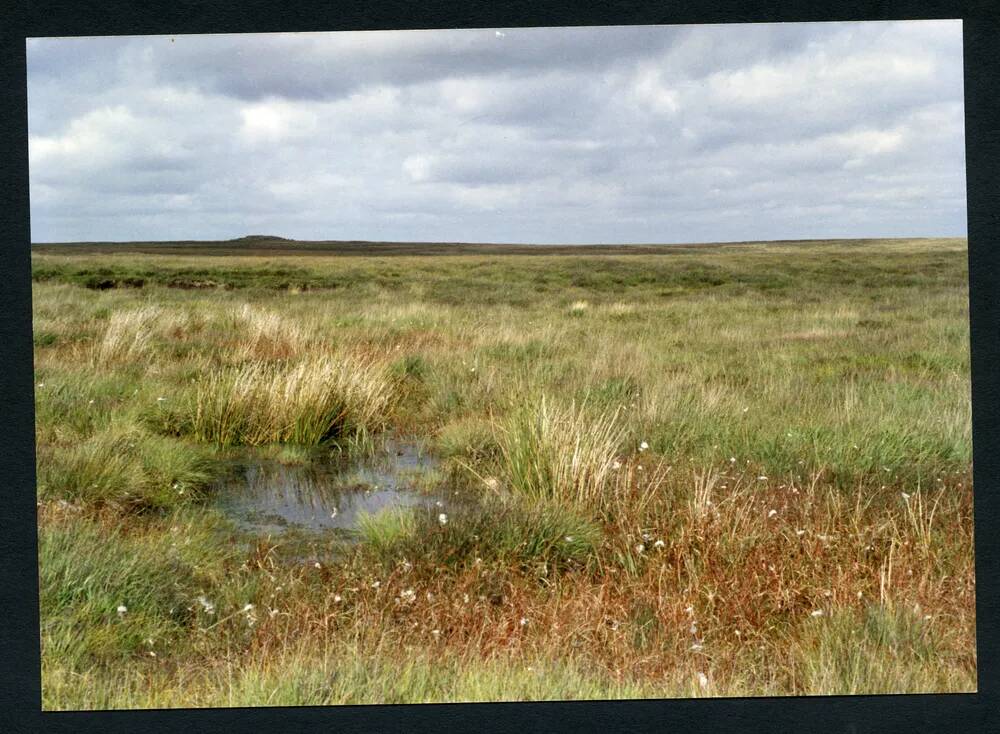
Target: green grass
(631, 442)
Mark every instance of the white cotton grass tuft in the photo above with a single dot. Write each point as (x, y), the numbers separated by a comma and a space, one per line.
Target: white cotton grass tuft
(443, 518)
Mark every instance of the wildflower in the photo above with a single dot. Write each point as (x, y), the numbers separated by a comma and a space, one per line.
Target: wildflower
(492, 484)
(647, 536)
(122, 609)
(248, 609)
(659, 544)
(643, 446)
(772, 513)
(376, 583)
(616, 465)
(800, 533)
(337, 598)
(208, 606)
(272, 613)
(443, 519)
(689, 609)
(408, 596)
(746, 409)
(569, 538)
(524, 621)
(702, 680)
(317, 565)
(439, 503)
(639, 468)
(693, 629)
(91, 402)
(817, 613)
(152, 654)
(640, 548)
(732, 459)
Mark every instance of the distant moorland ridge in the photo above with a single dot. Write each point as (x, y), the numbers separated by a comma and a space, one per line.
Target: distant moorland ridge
(260, 244)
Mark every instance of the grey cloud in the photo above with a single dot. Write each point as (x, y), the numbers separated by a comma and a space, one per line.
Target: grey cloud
(570, 134)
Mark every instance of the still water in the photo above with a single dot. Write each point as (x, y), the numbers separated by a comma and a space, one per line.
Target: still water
(271, 498)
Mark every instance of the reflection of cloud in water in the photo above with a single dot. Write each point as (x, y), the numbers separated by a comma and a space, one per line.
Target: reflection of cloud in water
(272, 497)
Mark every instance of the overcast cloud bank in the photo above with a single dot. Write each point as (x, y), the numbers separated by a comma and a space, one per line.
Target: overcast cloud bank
(579, 135)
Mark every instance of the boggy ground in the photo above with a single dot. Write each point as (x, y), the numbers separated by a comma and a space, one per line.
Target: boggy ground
(727, 471)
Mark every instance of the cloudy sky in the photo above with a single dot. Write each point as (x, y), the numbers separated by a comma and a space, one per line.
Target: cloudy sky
(580, 135)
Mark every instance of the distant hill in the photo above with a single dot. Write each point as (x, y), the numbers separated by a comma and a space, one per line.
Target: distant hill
(257, 239)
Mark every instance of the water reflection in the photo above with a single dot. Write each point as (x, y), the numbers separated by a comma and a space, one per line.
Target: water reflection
(269, 497)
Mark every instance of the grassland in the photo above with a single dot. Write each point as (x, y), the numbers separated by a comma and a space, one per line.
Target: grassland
(735, 470)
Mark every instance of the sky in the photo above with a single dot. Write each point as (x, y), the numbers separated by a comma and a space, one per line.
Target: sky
(543, 135)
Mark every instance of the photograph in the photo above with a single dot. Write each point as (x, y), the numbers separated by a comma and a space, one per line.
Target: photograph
(501, 365)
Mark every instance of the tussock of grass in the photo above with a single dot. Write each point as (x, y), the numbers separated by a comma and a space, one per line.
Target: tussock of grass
(388, 529)
(308, 402)
(468, 438)
(125, 467)
(510, 531)
(128, 335)
(86, 571)
(268, 335)
(564, 454)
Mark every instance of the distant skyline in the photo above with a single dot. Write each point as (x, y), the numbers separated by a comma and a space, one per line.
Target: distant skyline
(622, 134)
